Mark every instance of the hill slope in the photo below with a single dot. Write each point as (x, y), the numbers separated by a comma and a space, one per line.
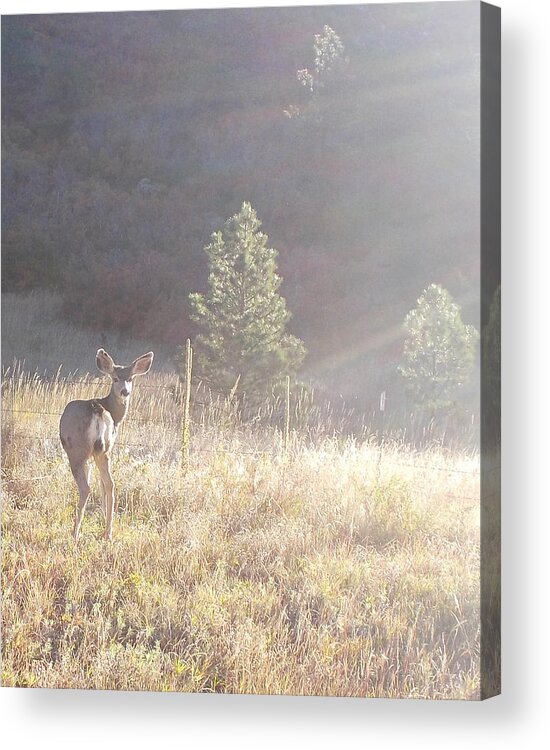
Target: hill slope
(129, 138)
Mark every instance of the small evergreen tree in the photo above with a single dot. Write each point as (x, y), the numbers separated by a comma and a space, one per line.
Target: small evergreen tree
(242, 318)
(439, 350)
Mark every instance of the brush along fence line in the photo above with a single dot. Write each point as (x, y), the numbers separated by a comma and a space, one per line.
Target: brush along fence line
(307, 414)
(281, 416)
(415, 465)
(165, 409)
(124, 443)
(138, 420)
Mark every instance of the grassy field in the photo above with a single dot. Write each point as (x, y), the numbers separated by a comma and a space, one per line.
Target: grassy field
(336, 569)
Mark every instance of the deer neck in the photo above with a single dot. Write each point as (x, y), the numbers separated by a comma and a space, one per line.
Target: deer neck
(115, 406)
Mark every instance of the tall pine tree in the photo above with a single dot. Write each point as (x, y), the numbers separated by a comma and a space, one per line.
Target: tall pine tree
(439, 351)
(242, 318)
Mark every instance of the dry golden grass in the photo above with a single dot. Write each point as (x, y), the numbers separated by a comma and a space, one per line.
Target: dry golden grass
(338, 569)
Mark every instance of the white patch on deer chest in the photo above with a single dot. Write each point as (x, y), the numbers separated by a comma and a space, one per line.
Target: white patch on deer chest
(101, 432)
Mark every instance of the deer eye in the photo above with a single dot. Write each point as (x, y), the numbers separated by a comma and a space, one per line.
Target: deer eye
(115, 380)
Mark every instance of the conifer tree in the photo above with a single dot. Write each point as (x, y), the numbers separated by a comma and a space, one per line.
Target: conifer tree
(439, 350)
(242, 318)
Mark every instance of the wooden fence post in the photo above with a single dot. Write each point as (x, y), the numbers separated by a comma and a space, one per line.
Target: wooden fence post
(286, 435)
(381, 433)
(185, 434)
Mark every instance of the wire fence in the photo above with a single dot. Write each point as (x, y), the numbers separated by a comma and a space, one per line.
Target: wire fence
(88, 381)
(197, 449)
(220, 451)
(180, 393)
(123, 443)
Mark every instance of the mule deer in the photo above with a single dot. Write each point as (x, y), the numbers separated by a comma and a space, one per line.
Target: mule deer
(88, 430)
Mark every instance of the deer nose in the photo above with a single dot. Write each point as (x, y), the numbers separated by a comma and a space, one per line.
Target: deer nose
(124, 392)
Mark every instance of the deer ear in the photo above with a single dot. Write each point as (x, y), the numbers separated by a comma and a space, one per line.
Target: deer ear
(104, 362)
(142, 364)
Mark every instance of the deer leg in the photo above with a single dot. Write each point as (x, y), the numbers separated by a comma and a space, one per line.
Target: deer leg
(103, 497)
(103, 464)
(81, 474)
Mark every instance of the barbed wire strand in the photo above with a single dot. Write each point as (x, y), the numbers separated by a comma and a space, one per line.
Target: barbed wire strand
(133, 444)
(121, 444)
(99, 382)
(174, 389)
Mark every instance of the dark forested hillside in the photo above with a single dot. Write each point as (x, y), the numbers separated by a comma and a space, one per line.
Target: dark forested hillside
(129, 138)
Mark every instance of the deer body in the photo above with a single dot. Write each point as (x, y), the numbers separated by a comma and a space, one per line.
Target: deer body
(88, 430)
